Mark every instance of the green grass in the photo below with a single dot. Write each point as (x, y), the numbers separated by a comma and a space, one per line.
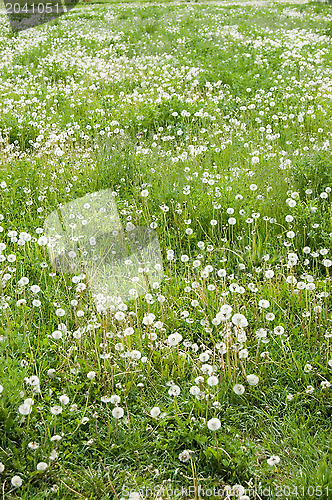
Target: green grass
(219, 111)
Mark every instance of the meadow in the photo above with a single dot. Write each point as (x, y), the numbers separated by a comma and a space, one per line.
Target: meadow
(211, 124)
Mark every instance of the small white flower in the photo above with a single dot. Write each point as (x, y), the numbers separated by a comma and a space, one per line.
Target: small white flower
(16, 481)
(148, 319)
(184, 456)
(53, 455)
(212, 381)
(42, 241)
(134, 496)
(207, 369)
(155, 412)
(174, 339)
(115, 399)
(194, 390)
(64, 399)
(21, 302)
(57, 334)
(117, 412)
(238, 389)
(56, 437)
(119, 315)
(238, 490)
(105, 399)
(135, 354)
(2, 467)
(60, 312)
(174, 390)
(91, 375)
(204, 357)
(56, 410)
(291, 280)
(243, 354)
(226, 310)
(25, 409)
(33, 445)
(252, 379)
(42, 466)
(239, 320)
(274, 460)
(214, 424)
(279, 330)
(33, 380)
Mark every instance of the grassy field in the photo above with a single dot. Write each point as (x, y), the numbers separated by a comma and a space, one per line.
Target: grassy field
(211, 123)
